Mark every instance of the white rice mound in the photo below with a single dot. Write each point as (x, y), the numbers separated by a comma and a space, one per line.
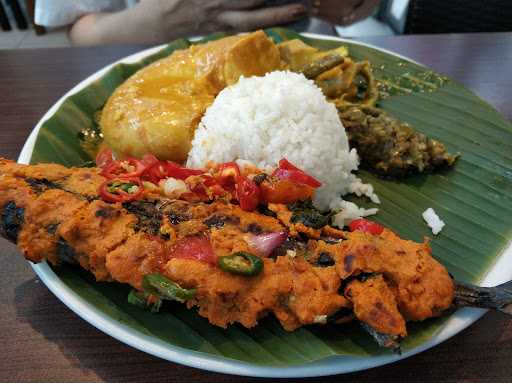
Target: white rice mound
(281, 115)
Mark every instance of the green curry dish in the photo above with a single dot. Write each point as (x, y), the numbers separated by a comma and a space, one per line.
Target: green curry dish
(390, 147)
(304, 212)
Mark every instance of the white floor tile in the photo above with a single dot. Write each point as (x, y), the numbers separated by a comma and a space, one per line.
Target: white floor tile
(11, 39)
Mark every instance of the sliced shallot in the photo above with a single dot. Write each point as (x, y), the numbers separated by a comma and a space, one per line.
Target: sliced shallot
(267, 242)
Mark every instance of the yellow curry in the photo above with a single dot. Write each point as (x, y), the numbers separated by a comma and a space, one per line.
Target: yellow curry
(157, 109)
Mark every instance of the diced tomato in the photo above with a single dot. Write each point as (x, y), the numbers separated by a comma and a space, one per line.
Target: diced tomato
(284, 191)
(104, 158)
(288, 171)
(247, 193)
(112, 190)
(366, 226)
(194, 247)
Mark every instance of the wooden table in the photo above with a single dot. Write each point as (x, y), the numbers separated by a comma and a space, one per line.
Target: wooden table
(42, 341)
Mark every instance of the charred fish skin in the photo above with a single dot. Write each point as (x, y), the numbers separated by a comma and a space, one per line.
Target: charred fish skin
(11, 221)
(41, 185)
(217, 221)
(66, 253)
(148, 215)
(390, 147)
(391, 342)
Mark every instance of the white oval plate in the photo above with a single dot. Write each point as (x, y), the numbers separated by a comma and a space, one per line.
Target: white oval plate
(500, 272)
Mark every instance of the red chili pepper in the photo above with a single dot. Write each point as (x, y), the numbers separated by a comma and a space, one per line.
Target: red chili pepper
(194, 247)
(208, 180)
(157, 170)
(104, 158)
(155, 173)
(205, 189)
(179, 172)
(116, 169)
(247, 193)
(285, 164)
(298, 177)
(366, 226)
(112, 189)
(227, 175)
(288, 171)
(149, 160)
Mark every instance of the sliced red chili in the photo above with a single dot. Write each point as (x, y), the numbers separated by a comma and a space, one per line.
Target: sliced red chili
(206, 188)
(117, 169)
(296, 176)
(247, 193)
(194, 247)
(157, 170)
(121, 189)
(366, 226)
(285, 164)
(288, 171)
(149, 160)
(155, 173)
(104, 158)
(179, 172)
(227, 175)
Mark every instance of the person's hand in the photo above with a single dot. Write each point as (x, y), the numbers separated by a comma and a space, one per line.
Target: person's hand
(206, 16)
(343, 12)
(157, 21)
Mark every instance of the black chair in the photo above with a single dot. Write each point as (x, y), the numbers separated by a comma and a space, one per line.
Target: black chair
(458, 16)
(17, 12)
(4, 20)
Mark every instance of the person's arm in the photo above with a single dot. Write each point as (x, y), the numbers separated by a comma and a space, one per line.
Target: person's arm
(152, 21)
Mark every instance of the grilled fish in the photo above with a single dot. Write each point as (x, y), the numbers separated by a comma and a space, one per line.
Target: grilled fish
(54, 213)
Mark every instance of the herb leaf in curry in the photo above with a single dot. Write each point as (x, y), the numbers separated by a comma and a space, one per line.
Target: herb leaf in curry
(304, 212)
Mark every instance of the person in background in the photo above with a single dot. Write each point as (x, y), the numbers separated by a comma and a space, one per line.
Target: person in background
(96, 22)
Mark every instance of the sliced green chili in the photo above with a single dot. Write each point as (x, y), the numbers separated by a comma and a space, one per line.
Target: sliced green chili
(128, 187)
(241, 263)
(140, 299)
(164, 288)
